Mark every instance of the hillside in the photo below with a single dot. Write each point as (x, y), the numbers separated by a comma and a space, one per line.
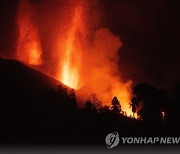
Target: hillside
(19, 74)
(35, 108)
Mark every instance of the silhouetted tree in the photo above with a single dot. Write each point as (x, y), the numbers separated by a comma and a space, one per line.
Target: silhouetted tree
(134, 105)
(89, 105)
(67, 99)
(116, 107)
(72, 98)
(96, 104)
(104, 109)
(149, 101)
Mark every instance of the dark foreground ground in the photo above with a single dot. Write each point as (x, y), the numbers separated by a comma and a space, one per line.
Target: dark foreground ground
(34, 111)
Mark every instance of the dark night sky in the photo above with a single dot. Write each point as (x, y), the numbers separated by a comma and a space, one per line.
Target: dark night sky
(150, 33)
(149, 30)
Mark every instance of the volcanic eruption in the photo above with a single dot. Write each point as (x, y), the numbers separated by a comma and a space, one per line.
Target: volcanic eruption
(86, 53)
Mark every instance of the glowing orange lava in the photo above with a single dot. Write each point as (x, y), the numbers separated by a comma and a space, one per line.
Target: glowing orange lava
(28, 49)
(71, 51)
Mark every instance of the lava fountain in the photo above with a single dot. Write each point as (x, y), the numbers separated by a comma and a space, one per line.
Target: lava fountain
(72, 56)
(28, 48)
(71, 49)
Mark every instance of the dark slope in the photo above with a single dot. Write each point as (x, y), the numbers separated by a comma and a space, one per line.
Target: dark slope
(32, 105)
(21, 75)
(34, 109)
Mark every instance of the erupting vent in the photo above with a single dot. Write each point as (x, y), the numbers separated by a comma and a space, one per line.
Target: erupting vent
(85, 57)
